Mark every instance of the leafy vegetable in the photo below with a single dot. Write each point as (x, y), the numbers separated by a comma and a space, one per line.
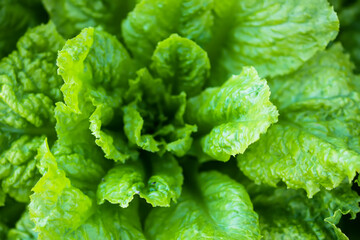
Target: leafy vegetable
(316, 141)
(126, 119)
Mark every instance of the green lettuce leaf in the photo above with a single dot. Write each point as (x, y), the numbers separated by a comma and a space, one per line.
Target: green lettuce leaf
(18, 172)
(111, 222)
(123, 181)
(154, 20)
(29, 85)
(71, 16)
(276, 37)
(220, 208)
(316, 141)
(29, 88)
(80, 158)
(56, 207)
(286, 213)
(62, 211)
(183, 65)
(95, 68)
(233, 116)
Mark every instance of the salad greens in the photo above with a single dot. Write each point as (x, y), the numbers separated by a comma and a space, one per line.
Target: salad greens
(179, 119)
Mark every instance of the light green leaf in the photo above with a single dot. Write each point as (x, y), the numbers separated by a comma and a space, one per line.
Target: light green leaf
(62, 211)
(95, 68)
(80, 158)
(71, 16)
(28, 89)
(232, 116)
(316, 141)
(183, 65)
(286, 213)
(57, 208)
(219, 209)
(113, 143)
(276, 37)
(111, 222)
(183, 140)
(154, 20)
(123, 181)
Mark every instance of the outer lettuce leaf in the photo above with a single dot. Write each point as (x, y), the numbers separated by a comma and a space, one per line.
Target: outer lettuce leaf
(219, 209)
(316, 141)
(232, 116)
(276, 37)
(95, 67)
(125, 180)
(111, 222)
(71, 16)
(80, 158)
(154, 20)
(286, 213)
(56, 207)
(23, 229)
(183, 65)
(28, 89)
(16, 16)
(62, 211)
(18, 172)
(29, 85)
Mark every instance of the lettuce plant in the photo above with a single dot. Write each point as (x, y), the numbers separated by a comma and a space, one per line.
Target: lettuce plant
(178, 119)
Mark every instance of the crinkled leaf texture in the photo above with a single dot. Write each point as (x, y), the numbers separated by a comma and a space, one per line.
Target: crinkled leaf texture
(62, 211)
(316, 141)
(95, 67)
(154, 20)
(56, 207)
(232, 116)
(29, 88)
(276, 37)
(71, 16)
(219, 209)
(154, 119)
(182, 64)
(290, 214)
(80, 158)
(123, 181)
